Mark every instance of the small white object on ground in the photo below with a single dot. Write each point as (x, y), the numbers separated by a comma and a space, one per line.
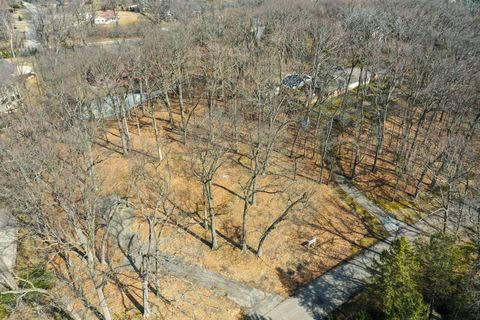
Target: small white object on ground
(311, 243)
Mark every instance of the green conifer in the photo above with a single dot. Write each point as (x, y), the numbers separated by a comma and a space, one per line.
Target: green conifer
(395, 283)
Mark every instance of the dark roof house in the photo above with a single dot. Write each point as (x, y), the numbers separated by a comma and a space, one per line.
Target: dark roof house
(296, 81)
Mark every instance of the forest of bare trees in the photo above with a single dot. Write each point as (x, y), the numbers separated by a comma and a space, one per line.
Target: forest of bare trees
(200, 97)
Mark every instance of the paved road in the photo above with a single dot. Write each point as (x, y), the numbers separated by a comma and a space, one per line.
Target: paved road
(332, 289)
(390, 223)
(31, 37)
(242, 294)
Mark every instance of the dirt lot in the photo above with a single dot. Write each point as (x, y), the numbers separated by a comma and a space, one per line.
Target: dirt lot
(286, 263)
(179, 300)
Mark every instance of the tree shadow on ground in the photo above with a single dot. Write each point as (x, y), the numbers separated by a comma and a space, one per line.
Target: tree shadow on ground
(293, 278)
(228, 190)
(254, 316)
(328, 292)
(104, 143)
(230, 240)
(125, 290)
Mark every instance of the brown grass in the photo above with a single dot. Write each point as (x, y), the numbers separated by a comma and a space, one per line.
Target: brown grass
(286, 264)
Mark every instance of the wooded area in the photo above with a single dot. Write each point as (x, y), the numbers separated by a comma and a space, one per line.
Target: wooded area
(214, 133)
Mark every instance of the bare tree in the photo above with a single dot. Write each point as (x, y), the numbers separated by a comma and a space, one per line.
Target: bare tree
(206, 159)
(301, 200)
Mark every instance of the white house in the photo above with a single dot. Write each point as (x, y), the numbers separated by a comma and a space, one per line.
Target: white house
(106, 17)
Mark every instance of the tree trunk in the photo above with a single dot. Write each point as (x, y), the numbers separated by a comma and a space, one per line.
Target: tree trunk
(157, 138)
(103, 303)
(121, 130)
(298, 132)
(380, 139)
(325, 149)
(420, 180)
(125, 130)
(430, 311)
(254, 191)
(168, 105)
(137, 118)
(146, 306)
(356, 162)
(211, 211)
(205, 208)
(246, 206)
(446, 211)
(235, 126)
(182, 112)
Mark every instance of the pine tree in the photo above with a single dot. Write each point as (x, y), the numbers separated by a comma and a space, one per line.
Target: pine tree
(394, 283)
(443, 267)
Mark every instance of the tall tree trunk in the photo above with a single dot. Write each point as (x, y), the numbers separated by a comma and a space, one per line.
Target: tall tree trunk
(168, 105)
(356, 162)
(121, 130)
(419, 181)
(235, 125)
(380, 139)
(211, 211)
(157, 137)
(325, 149)
(103, 302)
(205, 208)
(99, 286)
(182, 112)
(146, 306)
(246, 206)
(298, 131)
(125, 130)
(254, 190)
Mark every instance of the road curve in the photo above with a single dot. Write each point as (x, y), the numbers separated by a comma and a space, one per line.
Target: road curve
(328, 292)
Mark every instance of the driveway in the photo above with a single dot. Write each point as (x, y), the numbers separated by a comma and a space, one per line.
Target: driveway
(328, 292)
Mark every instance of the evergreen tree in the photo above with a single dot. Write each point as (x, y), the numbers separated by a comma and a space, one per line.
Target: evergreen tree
(394, 283)
(443, 267)
(362, 315)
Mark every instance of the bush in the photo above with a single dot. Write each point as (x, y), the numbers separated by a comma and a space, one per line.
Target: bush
(7, 301)
(40, 277)
(6, 54)
(362, 315)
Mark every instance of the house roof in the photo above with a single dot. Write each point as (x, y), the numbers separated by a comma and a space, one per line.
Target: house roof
(337, 79)
(343, 75)
(294, 81)
(107, 14)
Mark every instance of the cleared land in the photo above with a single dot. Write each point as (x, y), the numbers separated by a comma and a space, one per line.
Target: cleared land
(286, 263)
